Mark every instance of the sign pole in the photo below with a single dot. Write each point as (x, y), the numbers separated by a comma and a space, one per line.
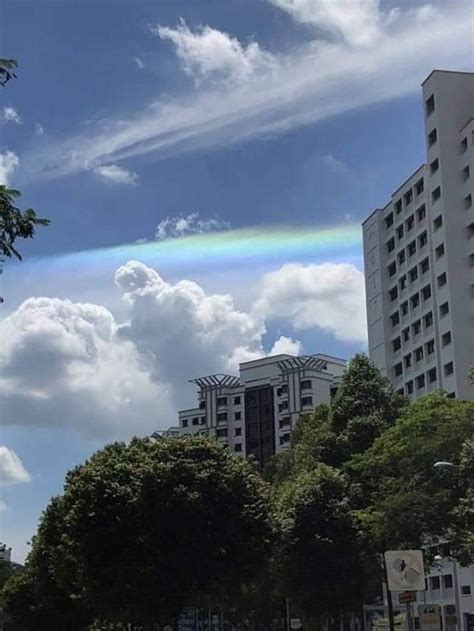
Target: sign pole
(391, 619)
(410, 625)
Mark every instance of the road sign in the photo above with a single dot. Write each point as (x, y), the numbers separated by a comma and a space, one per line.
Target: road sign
(295, 623)
(405, 570)
(406, 597)
(430, 617)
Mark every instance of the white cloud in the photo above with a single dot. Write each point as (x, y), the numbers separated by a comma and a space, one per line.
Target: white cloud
(12, 470)
(329, 296)
(3, 507)
(309, 83)
(191, 223)
(210, 52)
(115, 175)
(39, 129)
(8, 163)
(334, 164)
(9, 115)
(139, 62)
(286, 346)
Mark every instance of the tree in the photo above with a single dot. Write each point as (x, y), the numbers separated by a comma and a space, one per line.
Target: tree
(143, 529)
(403, 500)
(14, 223)
(7, 67)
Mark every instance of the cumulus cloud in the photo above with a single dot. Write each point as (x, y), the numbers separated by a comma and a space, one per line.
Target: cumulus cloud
(329, 296)
(209, 52)
(9, 161)
(12, 470)
(115, 175)
(9, 115)
(191, 223)
(286, 346)
(64, 364)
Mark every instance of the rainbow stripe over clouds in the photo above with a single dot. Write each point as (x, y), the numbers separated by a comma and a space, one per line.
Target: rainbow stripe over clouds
(245, 246)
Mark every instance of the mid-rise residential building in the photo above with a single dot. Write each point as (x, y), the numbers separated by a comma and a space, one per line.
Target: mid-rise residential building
(253, 413)
(5, 553)
(419, 254)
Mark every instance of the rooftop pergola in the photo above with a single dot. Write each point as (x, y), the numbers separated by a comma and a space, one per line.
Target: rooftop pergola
(216, 381)
(298, 364)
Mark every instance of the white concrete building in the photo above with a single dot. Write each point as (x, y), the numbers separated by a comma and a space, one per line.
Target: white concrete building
(419, 254)
(253, 414)
(5, 553)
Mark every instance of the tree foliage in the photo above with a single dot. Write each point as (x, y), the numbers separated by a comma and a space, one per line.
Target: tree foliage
(7, 70)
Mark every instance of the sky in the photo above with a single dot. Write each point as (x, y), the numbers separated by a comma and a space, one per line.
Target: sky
(205, 165)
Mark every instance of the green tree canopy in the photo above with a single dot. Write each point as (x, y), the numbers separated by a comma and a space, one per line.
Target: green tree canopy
(7, 70)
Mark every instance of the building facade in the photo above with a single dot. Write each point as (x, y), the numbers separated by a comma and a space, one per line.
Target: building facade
(419, 254)
(253, 413)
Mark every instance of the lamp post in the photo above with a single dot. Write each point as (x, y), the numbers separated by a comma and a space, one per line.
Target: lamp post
(445, 464)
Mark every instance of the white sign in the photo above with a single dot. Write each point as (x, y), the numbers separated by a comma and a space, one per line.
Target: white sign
(405, 570)
(295, 623)
(430, 617)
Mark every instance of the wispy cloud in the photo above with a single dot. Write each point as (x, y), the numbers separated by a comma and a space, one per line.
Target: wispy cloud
(192, 223)
(39, 129)
(9, 161)
(9, 115)
(115, 175)
(139, 62)
(308, 84)
(12, 470)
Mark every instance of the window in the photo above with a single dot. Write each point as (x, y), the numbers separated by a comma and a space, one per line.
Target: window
(401, 257)
(438, 222)
(284, 439)
(465, 590)
(306, 401)
(222, 401)
(423, 239)
(411, 248)
(420, 382)
(428, 320)
(395, 318)
(222, 432)
(398, 206)
(430, 347)
(408, 197)
(403, 282)
(238, 431)
(413, 274)
(184, 422)
(237, 400)
(404, 308)
(282, 390)
(430, 105)
(416, 327)
(444, 309)
(203, 420)
(421, 213)
(464, 144)
(418, 354)
(393, 293)
(448, 581)
(406, 334)
(410, 222)
(432, 137)
(434, 582)
(238, 447)
(442, 279)
(419, 187)
(398, 369)
(425, 265)
(468, 201)
(285, 422)
(466, 172)
(396, 344)
(431, 375)
(439, 251)
(392, 269)
(436, 194)
(426, 292)
(306, 384)
(434, 166)
(389, 220)
(446, 338)
(283, 406)
(390, 244)
(409, 387)
(237, 416)
(415, 300)
(196, 421)
(400, 231)
(400, 391)
(220, 417)
(448, 369)
(407, 360)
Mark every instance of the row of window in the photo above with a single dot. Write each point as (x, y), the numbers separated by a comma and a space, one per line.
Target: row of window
(305, 401)
(407, 197)
(223, 416)
(304, 385)
(414, 299)
(421, 380)
(412, 275)
(409, 223)
(428, 318)
(223, 432)
(223, 401)
(411, 248)
(197, 420)
(447, 579)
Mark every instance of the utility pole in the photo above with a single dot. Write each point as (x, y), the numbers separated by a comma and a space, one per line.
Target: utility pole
(391, 619)
(287, 603)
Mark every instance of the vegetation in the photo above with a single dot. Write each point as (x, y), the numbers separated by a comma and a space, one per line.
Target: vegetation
(7, 68)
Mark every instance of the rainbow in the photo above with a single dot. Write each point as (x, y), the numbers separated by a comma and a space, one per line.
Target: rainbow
(244, 246)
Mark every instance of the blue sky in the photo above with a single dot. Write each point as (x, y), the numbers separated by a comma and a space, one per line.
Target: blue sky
(147, 121)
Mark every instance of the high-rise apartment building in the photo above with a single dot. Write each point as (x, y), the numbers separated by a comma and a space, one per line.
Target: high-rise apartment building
(253, 414)
(419, 254)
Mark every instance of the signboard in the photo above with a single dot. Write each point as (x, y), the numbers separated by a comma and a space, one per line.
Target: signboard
(406, 597)
(430, 617)
(405, 570)
(295, 623)
(450, 618)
